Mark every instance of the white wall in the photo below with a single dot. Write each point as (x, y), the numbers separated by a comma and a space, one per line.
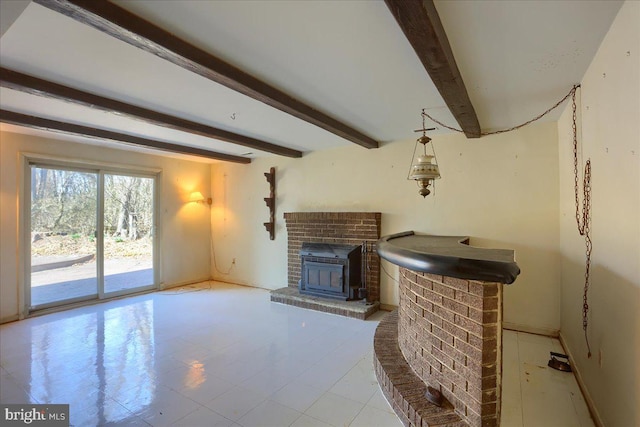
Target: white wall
(609, 116)
(184, 227)
(500, 190)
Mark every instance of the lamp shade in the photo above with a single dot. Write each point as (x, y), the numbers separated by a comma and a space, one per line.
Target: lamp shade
(423, 169)
(196, 196)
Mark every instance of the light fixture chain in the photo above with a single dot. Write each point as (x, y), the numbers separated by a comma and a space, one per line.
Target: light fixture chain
(583, 221)
(538, 117)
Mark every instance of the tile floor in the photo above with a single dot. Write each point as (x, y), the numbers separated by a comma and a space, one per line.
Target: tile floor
(532, 393)
(224, 355)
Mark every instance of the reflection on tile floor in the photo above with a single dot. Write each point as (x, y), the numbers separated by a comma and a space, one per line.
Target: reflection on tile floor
(224, 355)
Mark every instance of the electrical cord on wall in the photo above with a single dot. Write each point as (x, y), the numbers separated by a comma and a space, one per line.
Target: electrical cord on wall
(387, 273)
(213, 250)
(215, 262)
(197, 288)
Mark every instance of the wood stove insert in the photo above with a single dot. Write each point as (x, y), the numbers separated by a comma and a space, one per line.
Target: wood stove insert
(331, 270)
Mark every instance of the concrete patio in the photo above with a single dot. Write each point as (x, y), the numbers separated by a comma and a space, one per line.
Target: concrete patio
(50, 282)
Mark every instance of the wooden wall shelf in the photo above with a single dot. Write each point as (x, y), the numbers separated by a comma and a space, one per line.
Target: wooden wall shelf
(271, 203)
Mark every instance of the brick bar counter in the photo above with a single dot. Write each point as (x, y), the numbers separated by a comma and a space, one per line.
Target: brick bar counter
(447, 331)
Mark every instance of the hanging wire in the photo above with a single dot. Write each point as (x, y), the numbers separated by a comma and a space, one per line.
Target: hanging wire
(211, 239)
(387, 273)
(538, 117)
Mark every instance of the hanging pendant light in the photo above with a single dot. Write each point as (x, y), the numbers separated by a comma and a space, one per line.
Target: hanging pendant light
(425, 169)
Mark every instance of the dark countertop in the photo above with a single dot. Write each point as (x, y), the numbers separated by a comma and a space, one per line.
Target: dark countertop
(448, 256)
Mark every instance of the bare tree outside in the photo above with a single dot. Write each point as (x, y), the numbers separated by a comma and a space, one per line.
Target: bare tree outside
(64, 233)
(128, 231)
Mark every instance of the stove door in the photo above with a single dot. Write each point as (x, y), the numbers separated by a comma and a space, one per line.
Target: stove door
(324, 278)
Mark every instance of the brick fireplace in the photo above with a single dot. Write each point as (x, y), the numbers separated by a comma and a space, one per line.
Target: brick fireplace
(341, 228)
(347, 228)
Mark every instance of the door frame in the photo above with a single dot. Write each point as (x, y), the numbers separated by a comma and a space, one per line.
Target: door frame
(24, 227)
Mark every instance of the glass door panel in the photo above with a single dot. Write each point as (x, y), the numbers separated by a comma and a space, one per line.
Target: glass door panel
(128, 233)
(63, 236)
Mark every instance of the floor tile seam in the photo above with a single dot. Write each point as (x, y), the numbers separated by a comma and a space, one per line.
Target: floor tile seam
(356, 416)
(297, 410)
(303, 415)
(260, 402)
(254, 375)
(342, 398)
(131, 413)
(198, 409)
(324, 357)
(274, 401)
(108, 396)
(313, 365)
(315, 418)
(308, 383)
(573, 405)
(390, 410)
(22, 387)
(288, 425)
(349, 397)
(292, 379)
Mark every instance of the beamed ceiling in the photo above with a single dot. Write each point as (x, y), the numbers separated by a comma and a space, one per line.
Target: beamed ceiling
(236, 80)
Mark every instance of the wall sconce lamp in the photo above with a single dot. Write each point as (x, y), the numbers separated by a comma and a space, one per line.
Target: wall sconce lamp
(424, 170)
(197, 197)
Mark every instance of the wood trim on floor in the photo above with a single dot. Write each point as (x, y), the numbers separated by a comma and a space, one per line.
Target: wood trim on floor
(595, 415)
(519, 327)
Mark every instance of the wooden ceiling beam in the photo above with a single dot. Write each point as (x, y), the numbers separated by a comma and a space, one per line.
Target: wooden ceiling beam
(420, 22)
(40, 123)
(35, 86)
(130, 28)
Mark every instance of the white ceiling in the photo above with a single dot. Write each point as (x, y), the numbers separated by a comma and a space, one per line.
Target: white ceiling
(348, 59)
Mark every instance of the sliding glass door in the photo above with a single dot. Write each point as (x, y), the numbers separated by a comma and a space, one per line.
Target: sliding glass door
(91, 234)
(63, 235)
(128, 233)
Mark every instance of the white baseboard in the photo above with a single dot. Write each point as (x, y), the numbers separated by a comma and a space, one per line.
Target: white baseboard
(583, 388)
(547, 332)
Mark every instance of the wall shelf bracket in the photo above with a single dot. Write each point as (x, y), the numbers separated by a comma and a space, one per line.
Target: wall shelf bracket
(271, 203)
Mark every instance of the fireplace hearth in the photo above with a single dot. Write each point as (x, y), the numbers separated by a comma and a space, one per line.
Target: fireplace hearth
(331, 270)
